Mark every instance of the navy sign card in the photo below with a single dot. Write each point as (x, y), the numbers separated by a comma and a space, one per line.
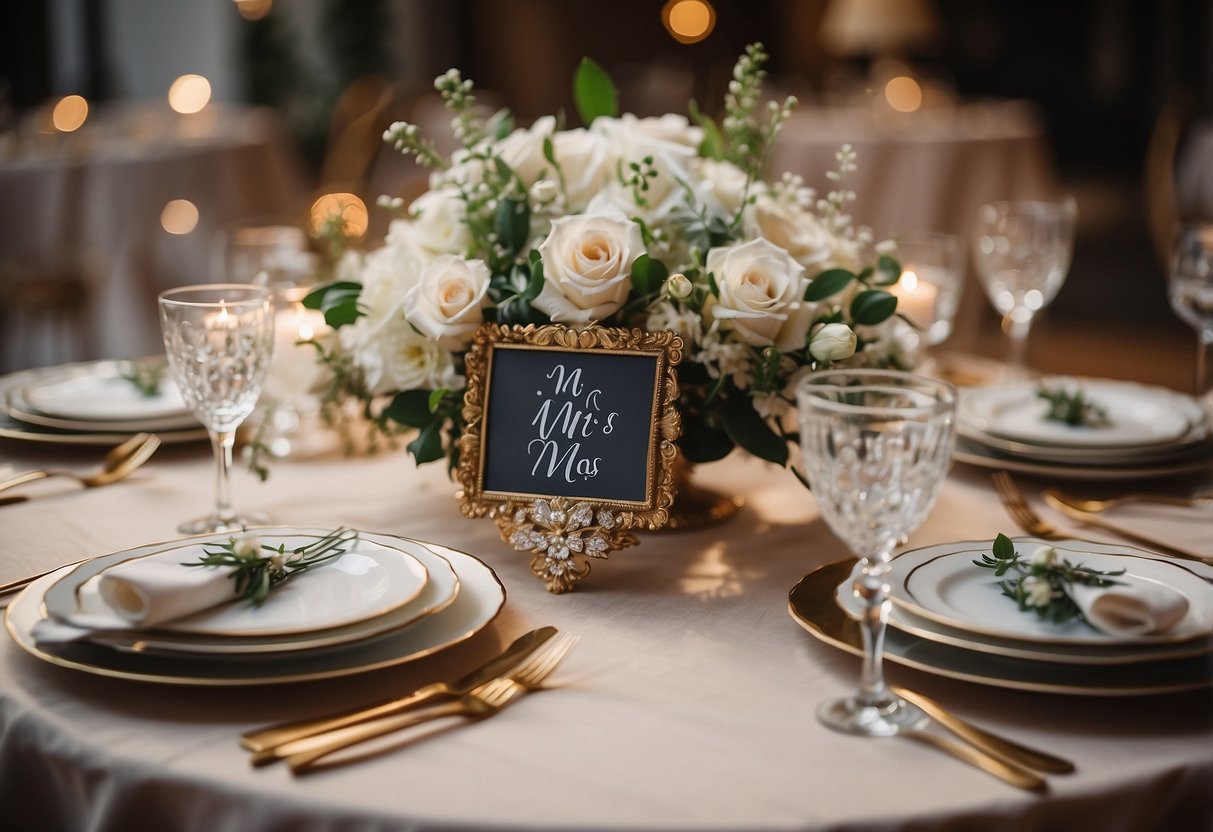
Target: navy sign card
(569, 439)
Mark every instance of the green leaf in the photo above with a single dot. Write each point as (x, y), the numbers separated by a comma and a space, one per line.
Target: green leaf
(830, 282)
(500, 124)
(338, 301)
(872, 306)
(412, 408)
(535, 285)
(513, 224)
(701, 443)
(435, 399)
(427, 447)
(888, 271)
(594, 92)
(713, 145)
(745, 427)
(1004, 548)
(648, 275)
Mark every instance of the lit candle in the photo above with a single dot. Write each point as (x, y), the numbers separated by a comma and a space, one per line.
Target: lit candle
(221, 319)
(916, 298)
(295, 366)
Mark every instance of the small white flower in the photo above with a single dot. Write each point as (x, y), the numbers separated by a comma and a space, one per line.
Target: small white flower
(544, 191)
(685, 322)
(1045, 556)
(1038, 591)
(246, 545)
(678, 286)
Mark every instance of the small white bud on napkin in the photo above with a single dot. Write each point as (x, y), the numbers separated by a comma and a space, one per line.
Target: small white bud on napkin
(1132, 607)
(150, 592)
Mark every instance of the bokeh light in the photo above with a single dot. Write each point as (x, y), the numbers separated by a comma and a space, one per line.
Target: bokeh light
(903, 94)
(254, 9)
(688, 21)
(351, 210)
(69, 114)
(180, 216)
(189, 93)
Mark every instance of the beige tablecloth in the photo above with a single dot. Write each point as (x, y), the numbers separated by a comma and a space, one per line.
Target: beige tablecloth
(688, 704)
(88, 207)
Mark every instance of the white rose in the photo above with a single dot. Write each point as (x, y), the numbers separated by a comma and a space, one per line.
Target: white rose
(585, 164)
(793, 229)
(395, 357)
(670, 128)
(439, 223)
(832, 342)
(721, 185)
(448, 301)
(670, 145)
(388, 274)
(522, 150)
(761, 291)
(587, 266)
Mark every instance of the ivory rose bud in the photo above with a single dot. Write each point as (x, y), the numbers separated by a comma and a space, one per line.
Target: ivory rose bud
(761, 291)
(678, 286)
(587, 266)
(447, 303)
(832, 342)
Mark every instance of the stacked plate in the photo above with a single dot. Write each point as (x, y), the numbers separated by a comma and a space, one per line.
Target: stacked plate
(949, 617)
(91, 404)
(1149, 431)
(386, 601)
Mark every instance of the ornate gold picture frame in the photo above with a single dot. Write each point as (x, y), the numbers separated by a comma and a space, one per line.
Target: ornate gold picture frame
(569, 506)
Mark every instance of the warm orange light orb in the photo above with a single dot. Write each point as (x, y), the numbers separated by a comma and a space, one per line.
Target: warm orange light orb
(179, 216)
(903, 94)
(189, 93)
(69, 113)
(348, 207)
(688, 21)
(254, 9)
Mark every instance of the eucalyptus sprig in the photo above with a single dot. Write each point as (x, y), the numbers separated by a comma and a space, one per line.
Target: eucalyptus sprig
(145, 376)
(1072, 407)
(255, 574)
(1043, 583)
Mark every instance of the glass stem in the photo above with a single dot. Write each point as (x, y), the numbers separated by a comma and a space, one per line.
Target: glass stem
(1204, 346)
(873, 590)
(1017, 326)
(223, 442)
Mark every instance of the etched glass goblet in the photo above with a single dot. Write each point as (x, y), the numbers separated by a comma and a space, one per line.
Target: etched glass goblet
(876, 448)
(1191, 282)
(219, 339)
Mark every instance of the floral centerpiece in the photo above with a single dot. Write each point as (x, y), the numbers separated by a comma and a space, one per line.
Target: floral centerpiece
(657, 223)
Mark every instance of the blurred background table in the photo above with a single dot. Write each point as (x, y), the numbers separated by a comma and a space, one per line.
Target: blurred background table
(93, 224)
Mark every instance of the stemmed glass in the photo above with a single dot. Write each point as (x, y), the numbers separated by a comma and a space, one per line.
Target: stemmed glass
(1022, 252)
(876, 447)
(219, 339)
(1192, 296)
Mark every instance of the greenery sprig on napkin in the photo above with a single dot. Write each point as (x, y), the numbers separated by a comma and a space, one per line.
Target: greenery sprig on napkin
(256, 574)
(145, 376)
(1072, 407)
(1043, 581)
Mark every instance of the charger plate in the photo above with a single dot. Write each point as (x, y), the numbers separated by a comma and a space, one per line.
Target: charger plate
(1198, 459)
(74, 592)
(811, 604)
(477, 604)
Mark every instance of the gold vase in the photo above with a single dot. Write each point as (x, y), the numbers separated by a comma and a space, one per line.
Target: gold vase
(696, 506)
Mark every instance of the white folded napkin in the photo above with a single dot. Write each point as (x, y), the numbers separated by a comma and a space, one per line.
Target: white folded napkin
(1133, 607)
(150, 592)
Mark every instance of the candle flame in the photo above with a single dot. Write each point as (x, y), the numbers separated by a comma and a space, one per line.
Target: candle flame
(909, 280)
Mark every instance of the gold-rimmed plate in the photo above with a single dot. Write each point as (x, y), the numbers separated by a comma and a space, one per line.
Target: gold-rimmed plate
(478, 603)
(811, 604)
(97, 391)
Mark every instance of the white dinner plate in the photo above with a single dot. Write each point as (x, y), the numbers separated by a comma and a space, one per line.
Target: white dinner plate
(23, 411)
(811, 604)
(942, 584)
(914, 625)
(478, 602)
(1139, 415)
(96, 390)
(369, 581)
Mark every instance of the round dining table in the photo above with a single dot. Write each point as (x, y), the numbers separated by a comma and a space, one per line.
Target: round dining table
(688, 702)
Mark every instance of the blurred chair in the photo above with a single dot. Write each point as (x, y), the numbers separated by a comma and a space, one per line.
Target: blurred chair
(44, 312)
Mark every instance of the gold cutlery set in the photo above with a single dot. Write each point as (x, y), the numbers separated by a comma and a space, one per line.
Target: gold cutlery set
(120, 463)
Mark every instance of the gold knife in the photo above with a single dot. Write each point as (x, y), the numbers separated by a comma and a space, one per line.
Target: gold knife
(1086, 517)
(264, 741)
(999, 747)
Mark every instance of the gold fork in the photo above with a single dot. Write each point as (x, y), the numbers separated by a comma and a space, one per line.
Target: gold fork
(1199, 500)
(1022, 513)
(120, 463)
(480, 703)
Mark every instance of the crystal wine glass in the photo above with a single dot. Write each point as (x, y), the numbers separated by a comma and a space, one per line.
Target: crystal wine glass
(876, 448)
(219, 339)
(1192, 296)
(1022, 252)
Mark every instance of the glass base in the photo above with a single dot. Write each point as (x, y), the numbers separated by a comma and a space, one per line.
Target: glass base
(215, 523)
(885, 720)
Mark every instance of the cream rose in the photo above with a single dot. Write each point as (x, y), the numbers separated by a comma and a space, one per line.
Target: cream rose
(585, 165)
(438, 224)
(448, 301)
(522, 150)
(721, 185)
(587, 266)
(793, 229)
(669, 142)
(761, 291)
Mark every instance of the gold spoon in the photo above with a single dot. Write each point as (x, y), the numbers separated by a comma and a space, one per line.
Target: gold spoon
(119, 464)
